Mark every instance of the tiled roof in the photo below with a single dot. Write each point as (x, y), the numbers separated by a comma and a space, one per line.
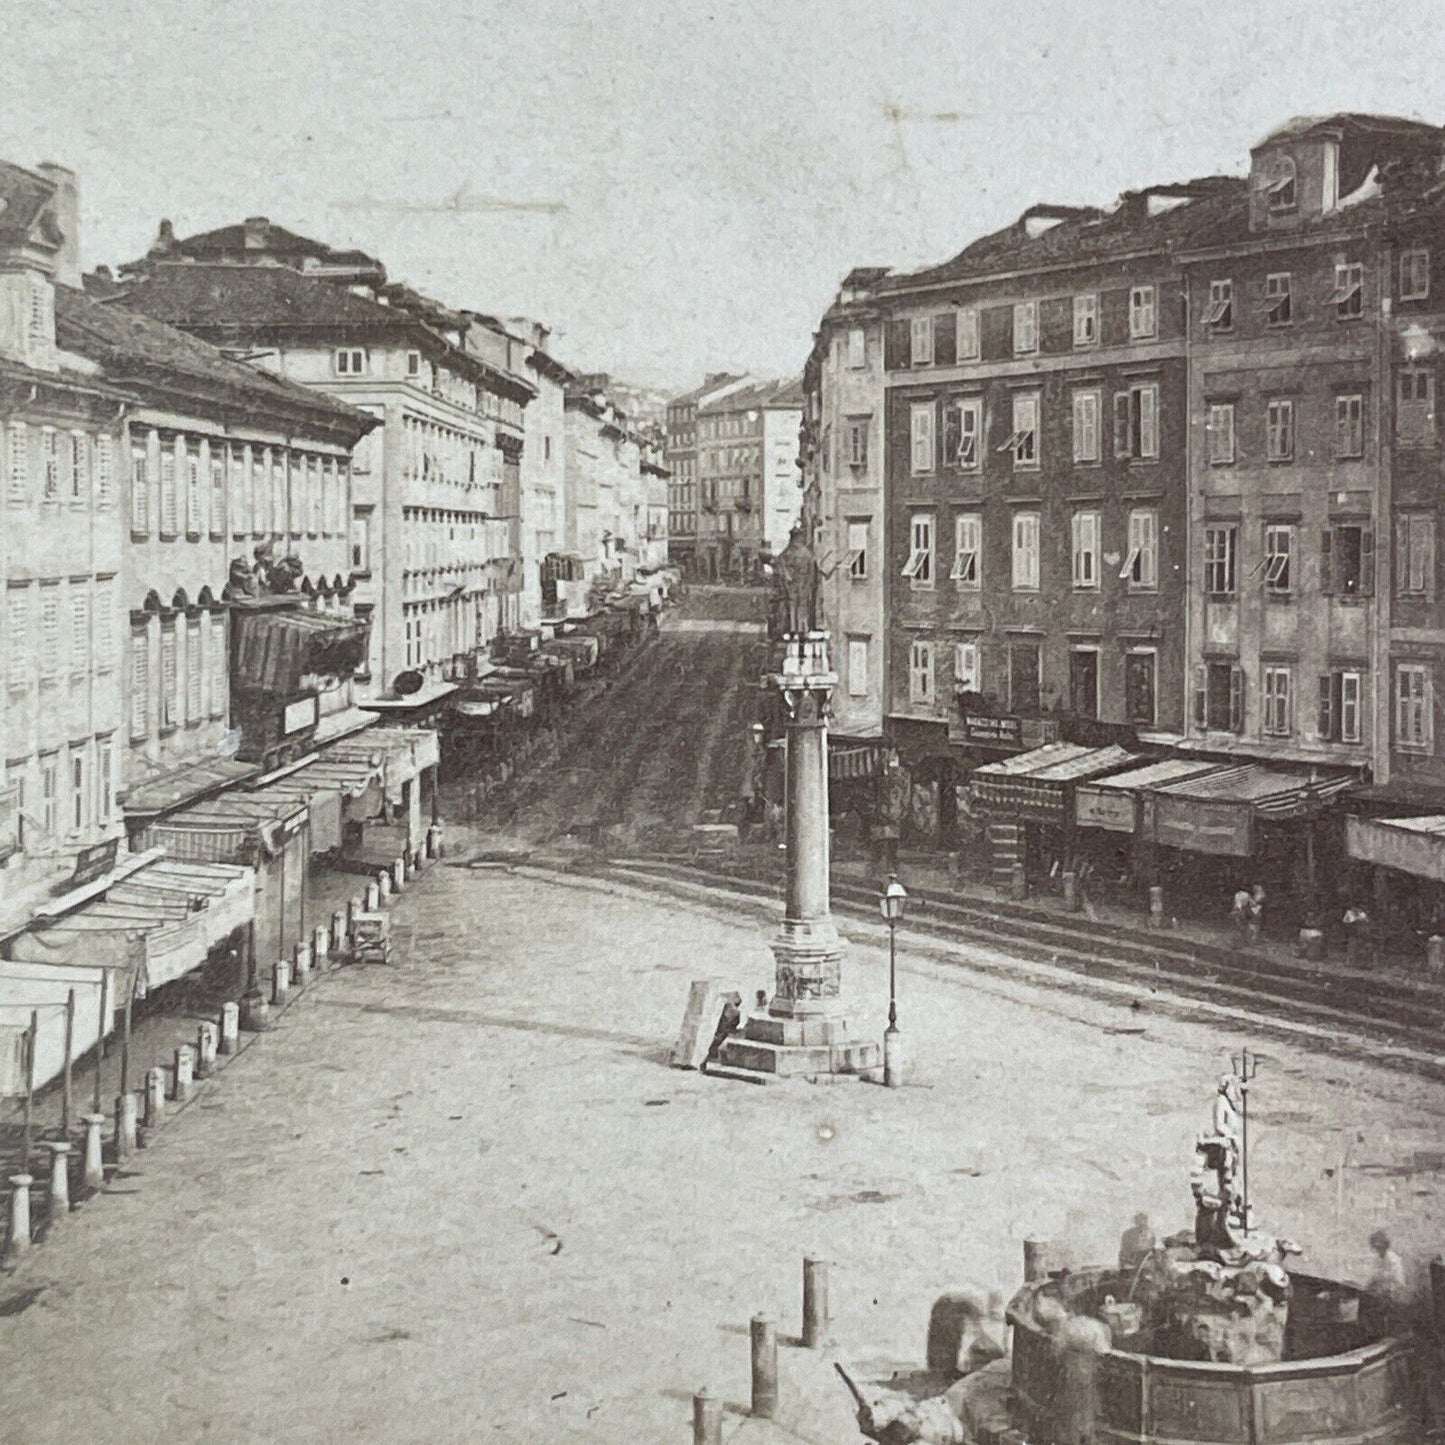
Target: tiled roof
(278, 241)
(1382, 125)
(136, 350)
(763, 393)
(222, 294)
(1086, 237)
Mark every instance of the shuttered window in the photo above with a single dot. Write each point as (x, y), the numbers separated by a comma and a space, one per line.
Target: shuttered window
(17, 465)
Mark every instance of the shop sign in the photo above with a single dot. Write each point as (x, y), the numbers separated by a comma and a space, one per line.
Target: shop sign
(92, 863)
(1095, 808)
(1204, 826)
(984, 728)
(298, 715)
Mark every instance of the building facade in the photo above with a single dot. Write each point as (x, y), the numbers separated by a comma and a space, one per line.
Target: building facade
(1300, 354)
(680, 459)
(842, 459)
(62, 713)
(436, 487)
(742, 474)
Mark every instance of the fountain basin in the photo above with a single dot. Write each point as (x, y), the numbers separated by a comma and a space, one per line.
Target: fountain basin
(1343, 1378)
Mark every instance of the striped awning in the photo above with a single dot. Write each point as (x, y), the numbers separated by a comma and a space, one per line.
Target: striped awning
(1216, 812)
(1409, 845)
(1035, 786)
(155, 924)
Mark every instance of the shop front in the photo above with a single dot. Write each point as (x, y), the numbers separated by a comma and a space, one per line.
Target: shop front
(1402, 866)
(1238, 826)
(1029, 800)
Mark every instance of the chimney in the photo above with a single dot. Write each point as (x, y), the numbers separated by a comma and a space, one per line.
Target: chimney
(258, 233)
(66, 206)
(165, 241)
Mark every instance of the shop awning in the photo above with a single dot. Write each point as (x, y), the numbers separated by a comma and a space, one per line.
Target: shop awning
(176, 789)
(234, 828)
(42, 989)
(1111, 802)
(404, 753)
(1033, 786)
(1217, 811)
(1410, 845)
(154, 925)
(276, 649)
(848, 764)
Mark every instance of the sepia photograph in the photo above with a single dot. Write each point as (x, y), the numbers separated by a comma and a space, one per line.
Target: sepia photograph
(717, 723)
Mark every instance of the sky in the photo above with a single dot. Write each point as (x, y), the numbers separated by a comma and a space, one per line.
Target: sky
(683, 185)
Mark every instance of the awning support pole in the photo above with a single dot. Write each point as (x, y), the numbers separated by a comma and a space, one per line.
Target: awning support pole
(31, 1036)
(67, 1098)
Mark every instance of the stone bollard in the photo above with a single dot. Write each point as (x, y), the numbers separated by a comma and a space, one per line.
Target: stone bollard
(57, 1198)
(320, 946)
(1312, 944)
(126, 1110)
(895, 1063)
(256, 1015)
(398, 875)
(1156, 906)
(815, 1303)
(707, 1417)
(280, 982)
(155, 1106)
(1071, 891)
(300, 964)
(185, 1074)
(206, 1048)
(337, 939)
(230, 1028)
(434, 841)
(765, 1367)
(373, 897)
(383, 884)
(17, 1242)
(1018, 884)
(93, 1167)
(1435, 954)
(1036, 1263)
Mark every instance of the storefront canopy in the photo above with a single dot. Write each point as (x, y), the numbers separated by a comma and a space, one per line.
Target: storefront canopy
(234, 828)
(1111, 803)
(175, 789)
(1035, 786)
(1410, 845)
(276, 649)
(1217, 812)
(154, 925)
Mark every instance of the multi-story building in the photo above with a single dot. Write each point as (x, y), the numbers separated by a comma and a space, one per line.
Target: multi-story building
(748, 489)
(1035, 460)
(842, 458)
(436, 488)
(680, 459)
(62, 714)
(1302, 403)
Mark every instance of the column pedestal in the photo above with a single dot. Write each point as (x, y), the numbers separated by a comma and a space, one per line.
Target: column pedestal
(805, 1032)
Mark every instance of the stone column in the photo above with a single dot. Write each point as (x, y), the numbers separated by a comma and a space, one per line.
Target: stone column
(804, 1031)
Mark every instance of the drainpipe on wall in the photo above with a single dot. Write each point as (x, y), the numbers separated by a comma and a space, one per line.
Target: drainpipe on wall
(1384, 523)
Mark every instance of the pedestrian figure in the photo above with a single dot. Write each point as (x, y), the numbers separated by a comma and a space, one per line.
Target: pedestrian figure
(1357, 936)
(1387, 1285)
(729, 1022)
(1256, 912)
(1136, 1244)
(1239, 914)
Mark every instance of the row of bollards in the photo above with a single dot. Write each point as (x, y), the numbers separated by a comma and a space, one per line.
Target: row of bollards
(139, 1115)
(707, 1408)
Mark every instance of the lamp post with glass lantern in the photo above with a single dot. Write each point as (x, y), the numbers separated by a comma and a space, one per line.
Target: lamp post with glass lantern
(893, 904)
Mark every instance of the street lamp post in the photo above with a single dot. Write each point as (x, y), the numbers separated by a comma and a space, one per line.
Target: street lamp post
(892, 904)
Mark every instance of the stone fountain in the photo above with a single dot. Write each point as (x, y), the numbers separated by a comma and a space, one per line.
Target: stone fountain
(1209, 1337)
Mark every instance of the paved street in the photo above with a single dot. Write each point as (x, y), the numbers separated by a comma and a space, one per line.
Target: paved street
(464, 1198)
(667, 741)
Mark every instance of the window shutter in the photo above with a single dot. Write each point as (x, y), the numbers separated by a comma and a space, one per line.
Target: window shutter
(18, 465)
(1367, 562)
(1236, 699)
(1201, 694)
(945, 340)
(952, 434)
(1121, 423)
(1327, 566)
(1148, 422)
(1425, 529)
(1402, 553)
(898, 345)
(1328, 711)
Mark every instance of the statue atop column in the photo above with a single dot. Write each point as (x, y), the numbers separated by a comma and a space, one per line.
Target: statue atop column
(793, 607)
(1219, 1201)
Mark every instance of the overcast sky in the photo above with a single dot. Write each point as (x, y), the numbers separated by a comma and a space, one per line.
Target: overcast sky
(718, 167)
